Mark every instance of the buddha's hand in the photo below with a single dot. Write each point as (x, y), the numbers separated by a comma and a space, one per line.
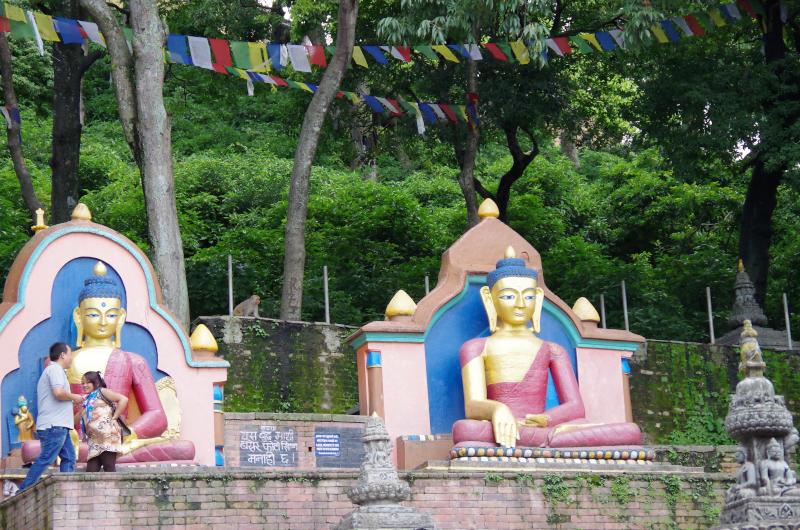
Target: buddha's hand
(505, 428)
(537, 420)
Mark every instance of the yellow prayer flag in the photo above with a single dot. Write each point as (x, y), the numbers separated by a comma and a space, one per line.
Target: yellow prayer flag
(591, 39)
(520, 51)
(304, 87)
(461, 110)
(351, 96)
(714, 14)
(358, 57)
(242, 74)
(445, 51)
(45, 25)
(15, 13)
(659, 33)
(258, 56)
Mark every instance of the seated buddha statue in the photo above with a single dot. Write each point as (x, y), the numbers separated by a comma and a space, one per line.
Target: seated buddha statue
(99, 318)
(505, 375)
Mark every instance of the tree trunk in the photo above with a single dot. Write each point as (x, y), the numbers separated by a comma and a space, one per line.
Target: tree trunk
(32, 203)
(294, 235)
(166, 246)
(121, 71)
(755, 233)
(69, 65)
(466, 177)
(770, 164)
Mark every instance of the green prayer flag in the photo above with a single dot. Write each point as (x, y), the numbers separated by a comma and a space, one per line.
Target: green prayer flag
(410, 108)
(330, 49)
(705, 21)
(2, 9)
(427, 51)
(240, 51)
(128, 34)
(581, 44)
(294, 84)
(758, 9)
(22, 30)
(506, 49)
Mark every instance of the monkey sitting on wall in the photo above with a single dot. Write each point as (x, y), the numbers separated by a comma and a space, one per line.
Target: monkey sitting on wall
(247, 308)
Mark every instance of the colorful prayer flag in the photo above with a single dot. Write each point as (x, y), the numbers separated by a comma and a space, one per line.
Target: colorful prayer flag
(176, 45)
(581, 44)
(659, 34)
(448, 112)
(45, 25)
(4, 26)
(520, 52)
(240, 51)
(316, 55)
(495, 51)
(373, 103)
(222, 54)
(299, 57)
(358, 57)
(427, 51)
(445, 52)
(591, 39)
(274, 51)
(605, 40)
(70, 30)
(693, 24)
(15, 13)
(681, 23)
(376, 54)
(716, 16)
(92, 32)
(201, 52)
(402, 53)
(258, 56)
(427, 113)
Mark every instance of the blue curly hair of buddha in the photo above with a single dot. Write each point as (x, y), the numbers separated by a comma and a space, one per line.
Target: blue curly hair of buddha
(510, 267)
(97, 286)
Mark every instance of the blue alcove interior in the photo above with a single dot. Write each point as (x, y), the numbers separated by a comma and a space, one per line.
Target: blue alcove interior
(60, 327)
(460, 320)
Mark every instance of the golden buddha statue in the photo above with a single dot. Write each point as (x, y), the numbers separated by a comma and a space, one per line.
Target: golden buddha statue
(505, 375)
(99, 318)
(23, 419)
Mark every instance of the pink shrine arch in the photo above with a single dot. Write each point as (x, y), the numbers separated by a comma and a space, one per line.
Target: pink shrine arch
(408, 365)
(40, 292)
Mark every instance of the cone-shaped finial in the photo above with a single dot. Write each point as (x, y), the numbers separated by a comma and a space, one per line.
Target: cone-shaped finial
(100, 269)
(39, 221)
(488, 208)
(202, 339)
(740, 267)
(510, 252)
(585, 310)
(81, 212)
(400, 304)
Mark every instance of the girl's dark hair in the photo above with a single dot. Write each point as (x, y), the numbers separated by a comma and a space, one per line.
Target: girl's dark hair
(95, 379)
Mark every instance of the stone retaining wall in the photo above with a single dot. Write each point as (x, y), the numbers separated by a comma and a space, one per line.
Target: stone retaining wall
(207, 497)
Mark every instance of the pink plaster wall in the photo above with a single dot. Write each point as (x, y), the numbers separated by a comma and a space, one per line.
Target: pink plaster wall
(600, 381)
(194, 385)
(405, 387)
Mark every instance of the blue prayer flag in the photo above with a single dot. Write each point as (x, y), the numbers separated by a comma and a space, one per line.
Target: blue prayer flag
(373, 103)
(376, 53)
(274, 51)
(69, 30)
(427, 113)
(669, 29)
(176, 45)
(605, 40)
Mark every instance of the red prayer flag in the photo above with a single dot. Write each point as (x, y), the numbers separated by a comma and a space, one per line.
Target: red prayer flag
(694, 25)
(279, 81)
(448, 111)
(405, 51)
(4, 25)
(222, 53)
(340, 94)
(396, 104)
(495, 51)
(473, 97)
(746, 6)
(316, 55)
(563, 44)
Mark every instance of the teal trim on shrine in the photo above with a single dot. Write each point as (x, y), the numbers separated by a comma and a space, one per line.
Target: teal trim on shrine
(548, 307)
(626, 367)
(151, 292)
(373, 359)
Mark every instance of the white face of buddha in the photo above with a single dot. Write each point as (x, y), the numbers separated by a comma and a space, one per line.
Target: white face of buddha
(514, 299)
(100, 317)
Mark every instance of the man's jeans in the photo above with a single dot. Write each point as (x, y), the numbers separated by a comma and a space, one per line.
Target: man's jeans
(55, 442)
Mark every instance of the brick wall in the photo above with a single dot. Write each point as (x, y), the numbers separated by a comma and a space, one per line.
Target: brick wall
(208, 497)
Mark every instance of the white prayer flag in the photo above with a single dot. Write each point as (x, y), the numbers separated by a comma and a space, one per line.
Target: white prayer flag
(385, 102)
(733, 10)
(617, 36)
(299, 56)
(39, 43)
(681, 23)
(474, 52)
(553, 46)
(201, 52)
(92, 32)
(438, 111)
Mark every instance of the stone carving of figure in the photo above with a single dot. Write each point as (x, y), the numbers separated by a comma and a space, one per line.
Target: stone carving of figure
(776, 477)
(746, 480)
(23, 419)
(505, 375)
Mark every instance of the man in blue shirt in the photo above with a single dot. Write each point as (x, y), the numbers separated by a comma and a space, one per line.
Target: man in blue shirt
(55, 417)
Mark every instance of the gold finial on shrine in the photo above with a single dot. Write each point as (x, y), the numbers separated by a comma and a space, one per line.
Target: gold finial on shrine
(400, 305)
(81, 212)
(585, 310)
(740, 268)
(510, 252)
(39, 221)
(203, 340)
(488, 208)
(100, 269)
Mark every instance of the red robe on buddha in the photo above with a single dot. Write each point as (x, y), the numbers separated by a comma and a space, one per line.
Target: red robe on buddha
(529, 395)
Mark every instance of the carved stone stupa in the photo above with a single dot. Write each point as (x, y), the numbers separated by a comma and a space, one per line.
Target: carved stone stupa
(379, 491)
(766, 493)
